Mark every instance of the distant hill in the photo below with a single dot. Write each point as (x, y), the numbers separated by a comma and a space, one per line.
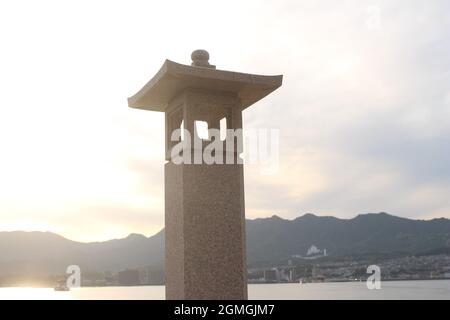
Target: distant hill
(275, 238)
(268, 239)
(45, 252)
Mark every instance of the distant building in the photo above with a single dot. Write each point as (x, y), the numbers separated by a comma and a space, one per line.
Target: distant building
(313, 250)
(270, 275)
(129, 277)
(151, 276)
(312, 253)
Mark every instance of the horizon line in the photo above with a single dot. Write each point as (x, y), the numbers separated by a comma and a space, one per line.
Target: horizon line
(247, 219)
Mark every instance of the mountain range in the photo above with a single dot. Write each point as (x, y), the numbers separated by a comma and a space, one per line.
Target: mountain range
(268, 240)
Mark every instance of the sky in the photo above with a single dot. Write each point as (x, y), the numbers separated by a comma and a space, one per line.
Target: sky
(363, 113)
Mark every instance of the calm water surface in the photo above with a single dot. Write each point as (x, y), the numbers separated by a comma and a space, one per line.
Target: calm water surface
(432, 289)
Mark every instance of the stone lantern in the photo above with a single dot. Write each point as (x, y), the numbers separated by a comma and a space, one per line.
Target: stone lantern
(204, 203)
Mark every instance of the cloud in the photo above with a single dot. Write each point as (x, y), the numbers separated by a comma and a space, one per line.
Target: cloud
(363, 113)
(367, 122)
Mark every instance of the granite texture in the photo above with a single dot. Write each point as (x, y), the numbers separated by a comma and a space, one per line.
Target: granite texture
(205, 232)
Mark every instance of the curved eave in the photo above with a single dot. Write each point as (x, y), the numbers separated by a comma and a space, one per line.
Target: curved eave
(173, 78)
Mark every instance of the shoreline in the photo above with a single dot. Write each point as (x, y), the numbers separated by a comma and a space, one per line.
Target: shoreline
(250, 283)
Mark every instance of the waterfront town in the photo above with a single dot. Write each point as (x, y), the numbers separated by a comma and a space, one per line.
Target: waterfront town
(350, 269)
(295, 270)
(321, 269)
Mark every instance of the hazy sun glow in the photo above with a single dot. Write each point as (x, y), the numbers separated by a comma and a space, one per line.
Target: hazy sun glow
(77, 161)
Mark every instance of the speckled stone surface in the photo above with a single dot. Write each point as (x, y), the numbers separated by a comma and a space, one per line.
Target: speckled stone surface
(205, 232)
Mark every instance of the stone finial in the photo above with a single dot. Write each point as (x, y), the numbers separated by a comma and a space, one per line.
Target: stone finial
(200, 58)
